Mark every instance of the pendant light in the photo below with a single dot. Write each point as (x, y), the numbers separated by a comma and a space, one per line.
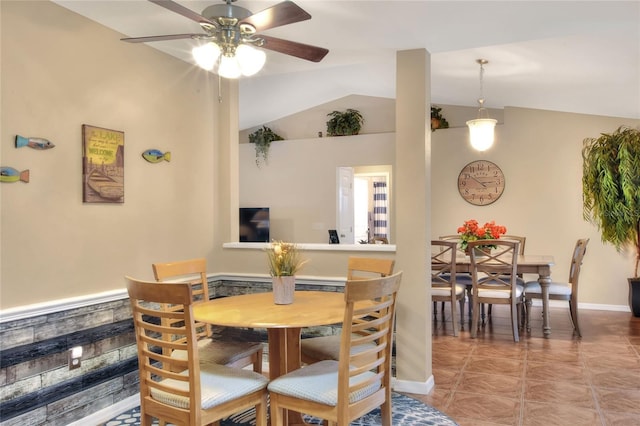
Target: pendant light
(481, 130)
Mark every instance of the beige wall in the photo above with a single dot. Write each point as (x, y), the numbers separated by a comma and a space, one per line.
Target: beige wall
(60, 71)
(299, 181)
(540, 154)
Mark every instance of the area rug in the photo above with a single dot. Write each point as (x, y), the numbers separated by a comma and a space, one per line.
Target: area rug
(406, 412)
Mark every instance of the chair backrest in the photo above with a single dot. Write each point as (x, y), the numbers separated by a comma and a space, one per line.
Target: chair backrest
(367, 338)
(494, 269)
(199, 285)
(164, 377)
(576, 262)
(360, 268)
(518, 238)
(443, 263)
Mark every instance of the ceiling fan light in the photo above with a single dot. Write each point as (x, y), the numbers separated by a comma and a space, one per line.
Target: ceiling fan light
(206, 55)
(229, 67)
(250, 59)
(481, 133)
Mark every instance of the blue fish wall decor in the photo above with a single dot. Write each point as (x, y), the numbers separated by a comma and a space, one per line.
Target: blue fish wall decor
(156, 156)
(9, 174)
(35, 143)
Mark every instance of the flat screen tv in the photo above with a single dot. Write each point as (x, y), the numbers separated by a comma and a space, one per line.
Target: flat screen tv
(254, 225)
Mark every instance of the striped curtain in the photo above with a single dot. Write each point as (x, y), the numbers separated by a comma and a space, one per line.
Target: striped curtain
(380, 209)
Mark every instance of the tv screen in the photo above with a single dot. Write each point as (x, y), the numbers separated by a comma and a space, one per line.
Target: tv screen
(254, 224)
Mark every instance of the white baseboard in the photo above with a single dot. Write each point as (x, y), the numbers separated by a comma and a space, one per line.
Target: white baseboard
(587, 306)
(409, 386)
(106, 414)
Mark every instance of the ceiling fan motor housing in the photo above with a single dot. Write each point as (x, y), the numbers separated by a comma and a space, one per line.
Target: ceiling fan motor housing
(226, 10)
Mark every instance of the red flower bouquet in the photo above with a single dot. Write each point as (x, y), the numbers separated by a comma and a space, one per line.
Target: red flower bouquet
(472, 231)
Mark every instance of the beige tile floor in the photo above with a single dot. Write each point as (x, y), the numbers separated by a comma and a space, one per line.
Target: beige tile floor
(560, 380)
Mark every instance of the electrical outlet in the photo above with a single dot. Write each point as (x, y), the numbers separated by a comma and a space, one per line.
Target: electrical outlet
(75, 357)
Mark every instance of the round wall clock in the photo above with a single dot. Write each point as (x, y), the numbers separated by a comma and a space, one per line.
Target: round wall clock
(481, 182)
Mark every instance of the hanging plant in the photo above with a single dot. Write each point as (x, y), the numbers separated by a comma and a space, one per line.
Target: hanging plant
(344, 123)
(437, 120)
(263, 138)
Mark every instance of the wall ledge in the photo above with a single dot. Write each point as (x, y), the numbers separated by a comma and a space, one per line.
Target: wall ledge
(318, 247)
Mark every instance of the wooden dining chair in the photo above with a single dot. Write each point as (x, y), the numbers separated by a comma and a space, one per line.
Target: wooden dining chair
(522, 240)
(230, 353)
(560, 290)
(184, 391)
(344, 390)
(495, 280)
(462, 278)
(316, 349)
(443, 280)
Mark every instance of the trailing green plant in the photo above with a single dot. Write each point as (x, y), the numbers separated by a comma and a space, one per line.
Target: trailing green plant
(263, 138)
(611, 187)
(437, 120)
(344, 123)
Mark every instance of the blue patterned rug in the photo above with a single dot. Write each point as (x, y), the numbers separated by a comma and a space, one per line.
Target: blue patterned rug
(406, 412)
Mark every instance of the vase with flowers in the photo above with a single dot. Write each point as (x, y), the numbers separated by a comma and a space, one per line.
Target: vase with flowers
(472, 231)
(284, 261)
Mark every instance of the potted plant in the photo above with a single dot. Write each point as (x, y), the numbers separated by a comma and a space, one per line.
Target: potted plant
(344, 123)
(284, 261)
(611, 194)
(437, 120)
(472, 231)
(263, 138)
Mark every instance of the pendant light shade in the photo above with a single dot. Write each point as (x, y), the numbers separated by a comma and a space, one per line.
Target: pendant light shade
(481, 133)
(482, 129)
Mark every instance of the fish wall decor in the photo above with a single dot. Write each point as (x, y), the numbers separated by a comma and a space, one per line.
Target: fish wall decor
(9, 174)
(35, 143)
(156, 156)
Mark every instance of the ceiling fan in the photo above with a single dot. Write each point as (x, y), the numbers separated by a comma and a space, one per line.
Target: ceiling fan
(230, 33)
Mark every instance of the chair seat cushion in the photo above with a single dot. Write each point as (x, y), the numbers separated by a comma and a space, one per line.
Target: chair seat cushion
(327, 347)
(532, 288)
(215, 352)
(500, 294)
(218, 384)
(318, 382)
(461, 278)
(446, 291)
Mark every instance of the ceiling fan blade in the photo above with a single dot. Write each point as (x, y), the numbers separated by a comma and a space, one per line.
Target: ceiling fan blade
(293, 48)
(161, 38)
(184, 11)
(283, 13)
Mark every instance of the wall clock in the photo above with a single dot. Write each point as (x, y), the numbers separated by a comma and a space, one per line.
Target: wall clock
(481, 182)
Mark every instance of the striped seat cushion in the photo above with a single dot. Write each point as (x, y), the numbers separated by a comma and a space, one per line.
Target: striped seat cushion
(219, 384)
(318, 382)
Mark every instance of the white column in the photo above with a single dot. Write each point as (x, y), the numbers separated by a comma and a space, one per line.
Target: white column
(413, 204)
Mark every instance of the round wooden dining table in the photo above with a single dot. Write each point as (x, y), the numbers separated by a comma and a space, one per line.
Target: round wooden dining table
(283, 322)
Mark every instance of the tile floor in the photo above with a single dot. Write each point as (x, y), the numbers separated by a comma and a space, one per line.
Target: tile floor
(560, 380)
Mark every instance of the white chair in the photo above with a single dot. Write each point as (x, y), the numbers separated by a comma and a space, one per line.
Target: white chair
(360, 380)
(559, 290)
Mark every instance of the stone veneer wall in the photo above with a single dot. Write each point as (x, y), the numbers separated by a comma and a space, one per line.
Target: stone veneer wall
(36, 385)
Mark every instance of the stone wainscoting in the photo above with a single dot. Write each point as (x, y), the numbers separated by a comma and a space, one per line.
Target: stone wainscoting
(38, 388)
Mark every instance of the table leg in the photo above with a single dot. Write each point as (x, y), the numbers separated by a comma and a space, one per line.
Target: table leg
(284, 356)
(545, 281)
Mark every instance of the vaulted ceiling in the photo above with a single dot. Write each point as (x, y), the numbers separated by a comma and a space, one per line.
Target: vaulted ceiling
(575, 56)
